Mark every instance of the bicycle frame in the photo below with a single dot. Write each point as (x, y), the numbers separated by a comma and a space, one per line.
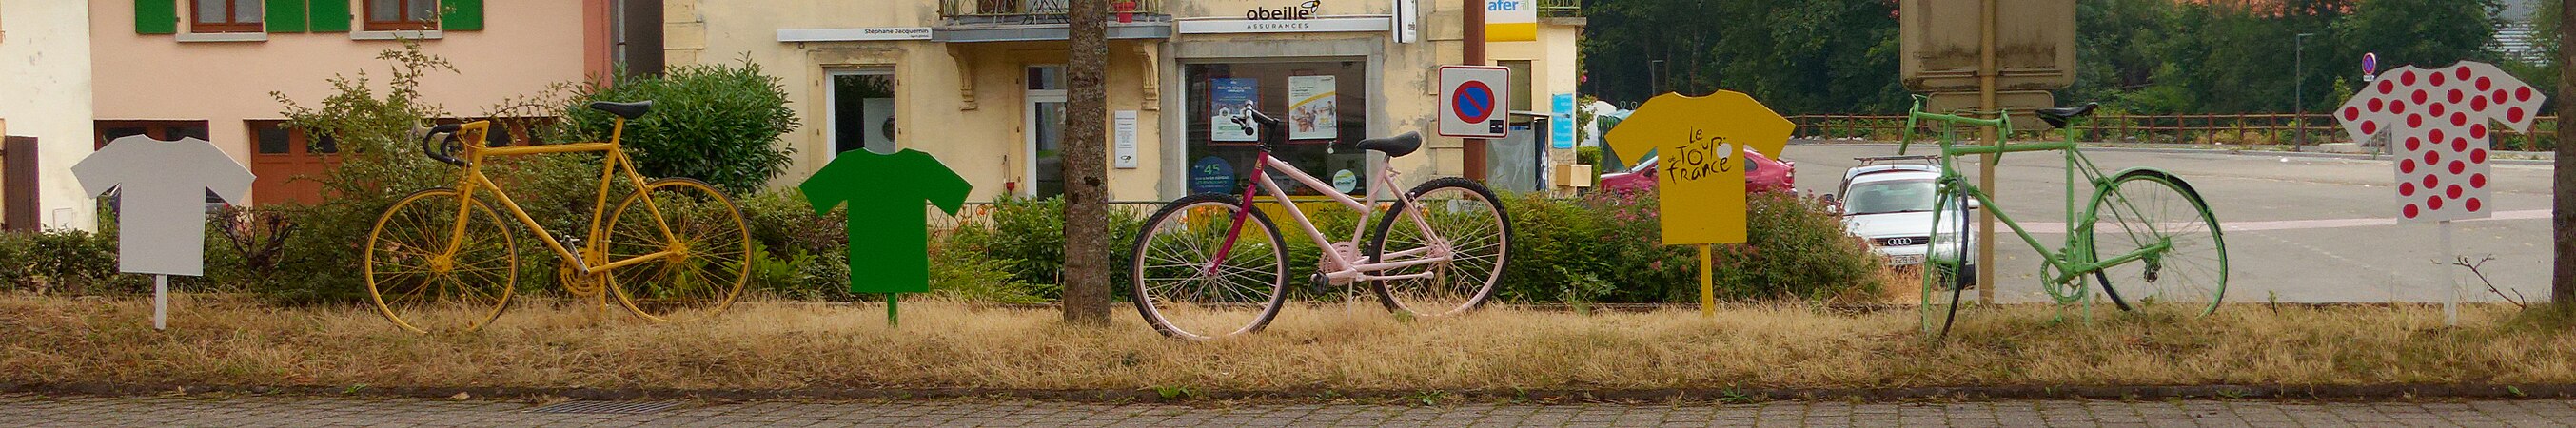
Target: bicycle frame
(2076, 257)
(1341, 270)
(473, 179)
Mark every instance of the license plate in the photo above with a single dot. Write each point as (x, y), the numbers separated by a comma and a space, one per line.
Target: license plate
(1905, 259)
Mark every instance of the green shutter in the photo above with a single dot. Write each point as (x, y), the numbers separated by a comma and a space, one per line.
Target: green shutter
(285, 16)
(156, 16)
(330, 16)
(461, 15)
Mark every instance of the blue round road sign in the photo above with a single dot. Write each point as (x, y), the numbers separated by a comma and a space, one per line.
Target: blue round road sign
(1472, 102)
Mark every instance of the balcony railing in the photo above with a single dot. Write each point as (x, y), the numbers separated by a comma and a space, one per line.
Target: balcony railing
(1560, 8)
(1042, 11)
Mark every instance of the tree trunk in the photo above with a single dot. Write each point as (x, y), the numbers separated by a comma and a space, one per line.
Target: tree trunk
(1086, 215)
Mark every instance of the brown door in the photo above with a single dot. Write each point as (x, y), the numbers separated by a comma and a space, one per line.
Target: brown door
(288, 162)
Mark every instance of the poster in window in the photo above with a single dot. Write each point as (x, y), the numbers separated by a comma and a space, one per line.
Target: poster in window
(1310, 112)
(879, 123)
(1226, 96)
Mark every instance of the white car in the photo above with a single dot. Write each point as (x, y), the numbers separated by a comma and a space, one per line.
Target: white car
(1888, 201)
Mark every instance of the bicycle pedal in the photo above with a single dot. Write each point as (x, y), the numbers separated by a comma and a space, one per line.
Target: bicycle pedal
(1318, 284)
(573, 245)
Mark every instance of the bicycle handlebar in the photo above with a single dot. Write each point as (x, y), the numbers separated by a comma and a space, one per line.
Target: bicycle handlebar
(1271, 129)
(438, 150)
(1914, 116)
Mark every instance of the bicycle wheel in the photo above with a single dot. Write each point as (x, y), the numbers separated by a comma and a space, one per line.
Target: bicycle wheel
(1185, 291)
(427, 272)
(1945, 270)
(707, 251)
(2144, 209)
(1456, 218)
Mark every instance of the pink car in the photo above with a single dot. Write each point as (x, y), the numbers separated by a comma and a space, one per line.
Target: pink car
(1761, 174)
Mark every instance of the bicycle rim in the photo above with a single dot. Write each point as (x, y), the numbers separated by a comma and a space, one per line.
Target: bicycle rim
(1942, 269)
(1181, 289)
(1449, 217)
(421, 286)
(709, 251)
(2144, 209)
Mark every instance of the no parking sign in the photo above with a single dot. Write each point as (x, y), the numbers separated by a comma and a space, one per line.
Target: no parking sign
(1471, 101)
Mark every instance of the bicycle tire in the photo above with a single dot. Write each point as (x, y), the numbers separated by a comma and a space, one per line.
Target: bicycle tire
(2198, 264)
(421, 299)
(1945, 279)
(1484, 278)
(712, 247)
(1187, 314)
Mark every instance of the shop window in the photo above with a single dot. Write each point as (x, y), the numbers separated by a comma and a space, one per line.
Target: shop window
(225, 16)
(1324, 102)
(862, 111)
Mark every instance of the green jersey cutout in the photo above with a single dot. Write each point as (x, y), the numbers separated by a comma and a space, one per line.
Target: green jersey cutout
(889, 236)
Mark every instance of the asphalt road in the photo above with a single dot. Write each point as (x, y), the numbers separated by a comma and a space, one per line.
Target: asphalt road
(2299, 229)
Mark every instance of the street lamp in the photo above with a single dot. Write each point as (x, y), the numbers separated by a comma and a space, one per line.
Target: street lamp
(2299, 89)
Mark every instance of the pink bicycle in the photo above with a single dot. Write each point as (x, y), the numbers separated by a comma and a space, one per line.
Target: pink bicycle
(1212, 265)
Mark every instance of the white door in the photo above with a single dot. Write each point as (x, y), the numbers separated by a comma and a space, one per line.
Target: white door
(1042, 123)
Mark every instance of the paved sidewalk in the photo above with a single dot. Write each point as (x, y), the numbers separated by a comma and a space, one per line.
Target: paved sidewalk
(29, 410)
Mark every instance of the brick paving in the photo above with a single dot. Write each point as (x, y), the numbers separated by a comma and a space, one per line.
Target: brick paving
(232, 411)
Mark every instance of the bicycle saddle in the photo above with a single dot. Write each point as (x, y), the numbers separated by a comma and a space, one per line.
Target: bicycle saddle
(2056, 117)
(630, 111)
(1396, 146)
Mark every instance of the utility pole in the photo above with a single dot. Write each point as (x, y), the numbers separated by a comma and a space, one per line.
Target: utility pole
(1472, 41)
(2562, 207)
(1987, 68)
(1086, 175)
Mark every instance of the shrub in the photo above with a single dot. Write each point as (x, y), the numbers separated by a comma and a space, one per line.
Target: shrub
(60, 261)
(715, 123)
(1606, 247)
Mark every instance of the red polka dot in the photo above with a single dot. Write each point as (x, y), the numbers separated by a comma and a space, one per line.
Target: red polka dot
(2459, 119)
(2453, 192)
(2477, 181)
(2472, 204)
(2387, 87)
(2410, 211)
(2478, 103)
(2377, 104)
(2478, 156)
(2458, 167)
(2438, 109)
(2498, 95)
(2397, 107)
(2405, 189)
(2406, 165)
(2432, 157)
(2369, 127)
(2406, 78)
(2513, 114)
(2478, 131)
(2483, 83)
(2350, 113)
(2462, 72)
(2437, 136)
(2433, 203)
(2459, 144)
(2413, 143)
(2419, 96)
(2414, 121)
(2522, 94)
(2455, 95)
(2437, 78)
(2430, 181)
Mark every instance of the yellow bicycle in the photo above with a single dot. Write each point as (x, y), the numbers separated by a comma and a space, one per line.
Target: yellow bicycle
(441, 259)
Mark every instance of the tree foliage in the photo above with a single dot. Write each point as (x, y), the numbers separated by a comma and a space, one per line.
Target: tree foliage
(717, 123)
(2153, 56)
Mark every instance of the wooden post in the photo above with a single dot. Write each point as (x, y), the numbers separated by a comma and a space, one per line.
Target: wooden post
(1472, 50)
(1707, 291)
(1987, 68)
(2562, 212)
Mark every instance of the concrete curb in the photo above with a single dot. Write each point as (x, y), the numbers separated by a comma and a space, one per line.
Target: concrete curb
(2023, 392)
(2506, 158)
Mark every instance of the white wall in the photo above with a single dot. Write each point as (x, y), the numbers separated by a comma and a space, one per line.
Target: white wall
(45, 93)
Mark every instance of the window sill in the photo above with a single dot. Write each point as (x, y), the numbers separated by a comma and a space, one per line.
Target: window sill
(221, 37)
(397, 35)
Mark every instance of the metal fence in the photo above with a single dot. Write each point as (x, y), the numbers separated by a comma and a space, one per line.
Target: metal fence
(1560, 8)
(1037, 11)
(2238, 129)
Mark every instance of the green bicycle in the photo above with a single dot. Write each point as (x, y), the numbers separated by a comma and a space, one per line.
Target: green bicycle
(2146, 236)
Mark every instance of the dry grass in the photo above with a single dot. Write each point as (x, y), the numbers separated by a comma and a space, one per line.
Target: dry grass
(1349, 347)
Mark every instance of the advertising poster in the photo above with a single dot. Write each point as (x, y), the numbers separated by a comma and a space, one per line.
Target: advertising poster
(1225, 96)
(1310, 112)
(1212, 175)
